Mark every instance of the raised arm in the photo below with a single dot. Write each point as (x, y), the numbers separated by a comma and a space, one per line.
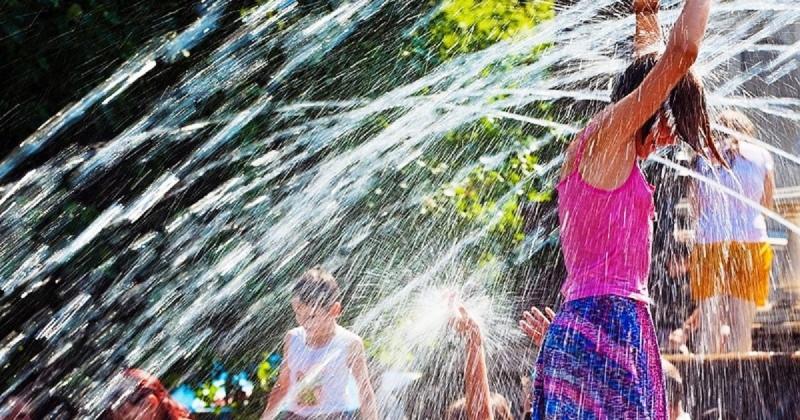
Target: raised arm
(476, 377)
(620, 121)
(648, 29)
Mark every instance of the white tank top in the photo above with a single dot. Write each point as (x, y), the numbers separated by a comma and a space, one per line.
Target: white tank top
(724, 218)
(320, 379)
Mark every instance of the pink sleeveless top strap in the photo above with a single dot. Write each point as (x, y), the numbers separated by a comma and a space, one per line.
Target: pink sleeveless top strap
(606, 235)
(581, 147)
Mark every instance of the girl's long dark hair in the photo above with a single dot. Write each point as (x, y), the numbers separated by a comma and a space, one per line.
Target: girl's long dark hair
(686, 103)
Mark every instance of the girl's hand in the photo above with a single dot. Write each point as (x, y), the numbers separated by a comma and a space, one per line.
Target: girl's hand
(677, 341)
(693, 322)
(534, 323)
(679, 337)
(645, 6)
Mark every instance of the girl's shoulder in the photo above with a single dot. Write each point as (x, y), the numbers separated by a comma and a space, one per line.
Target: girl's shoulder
(573, 149)
(756, 154)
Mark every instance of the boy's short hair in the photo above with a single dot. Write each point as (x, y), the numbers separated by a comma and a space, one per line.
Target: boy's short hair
(316, 288)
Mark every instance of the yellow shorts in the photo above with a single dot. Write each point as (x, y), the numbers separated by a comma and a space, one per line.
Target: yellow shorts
(739, 269)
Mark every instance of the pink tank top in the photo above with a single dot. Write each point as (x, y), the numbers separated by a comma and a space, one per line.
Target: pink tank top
(605, 234)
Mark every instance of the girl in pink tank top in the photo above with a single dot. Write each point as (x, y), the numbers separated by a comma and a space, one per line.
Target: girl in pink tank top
(599, 358)
(605, 234)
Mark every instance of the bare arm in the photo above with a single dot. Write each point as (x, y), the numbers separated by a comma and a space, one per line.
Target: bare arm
(476, 378)
(767, 199)
(281, 387)
(618, 123)
(476, 387)
(358, 365)
(648, 28)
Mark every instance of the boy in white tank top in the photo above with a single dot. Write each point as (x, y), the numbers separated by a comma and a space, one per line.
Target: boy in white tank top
(324, 372)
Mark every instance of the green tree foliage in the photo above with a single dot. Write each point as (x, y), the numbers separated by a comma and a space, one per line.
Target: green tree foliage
(469, 25)
(493, 190)
(464, 26)
(55, 51)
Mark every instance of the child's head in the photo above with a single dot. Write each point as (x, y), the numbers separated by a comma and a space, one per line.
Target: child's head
(675, 392)
(143, 397)
(738, 123)
(500, 409)
(686, 105)
(315, 300)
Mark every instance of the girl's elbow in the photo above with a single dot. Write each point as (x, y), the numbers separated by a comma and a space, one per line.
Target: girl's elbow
(682, 54)
(688, 53)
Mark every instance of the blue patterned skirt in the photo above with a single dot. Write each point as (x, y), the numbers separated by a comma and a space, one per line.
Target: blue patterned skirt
(600, 360)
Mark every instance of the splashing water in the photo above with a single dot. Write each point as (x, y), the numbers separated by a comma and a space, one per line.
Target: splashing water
(191, 258)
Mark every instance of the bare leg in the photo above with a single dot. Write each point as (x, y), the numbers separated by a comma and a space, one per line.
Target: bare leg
(712, 317)
(741, 315)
